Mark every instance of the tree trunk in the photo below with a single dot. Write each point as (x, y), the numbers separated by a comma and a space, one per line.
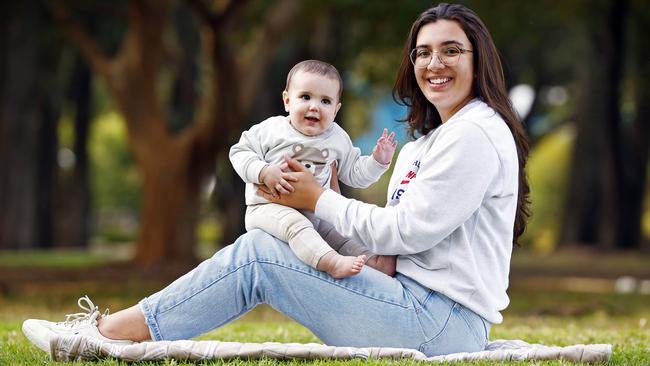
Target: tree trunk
(48, 145)
(19, 126)
(616, 210)
(631, 210)
(169, 210)
(171, 173)
(231, 204)
(73, 209)
(586, 216)
(173, 166)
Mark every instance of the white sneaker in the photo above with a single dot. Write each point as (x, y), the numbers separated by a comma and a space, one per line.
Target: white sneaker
(39, 332)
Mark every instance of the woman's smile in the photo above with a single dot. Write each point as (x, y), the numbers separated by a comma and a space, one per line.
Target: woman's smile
(439, 82)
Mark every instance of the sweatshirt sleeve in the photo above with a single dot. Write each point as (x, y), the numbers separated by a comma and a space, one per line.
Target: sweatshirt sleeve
(356, 170)
(453, 179)
(247, 155)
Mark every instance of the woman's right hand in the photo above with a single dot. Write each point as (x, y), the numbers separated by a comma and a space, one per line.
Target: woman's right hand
(306, 190)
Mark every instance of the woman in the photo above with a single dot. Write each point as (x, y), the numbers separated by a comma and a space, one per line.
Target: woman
(456, 202)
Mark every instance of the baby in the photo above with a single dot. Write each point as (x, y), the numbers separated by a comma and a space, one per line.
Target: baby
(309, 135)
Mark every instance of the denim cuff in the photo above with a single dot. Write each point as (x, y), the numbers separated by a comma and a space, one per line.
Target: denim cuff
(150, 320)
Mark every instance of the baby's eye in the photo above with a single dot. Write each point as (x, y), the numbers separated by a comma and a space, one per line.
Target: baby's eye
(327, 101)
(304, 97)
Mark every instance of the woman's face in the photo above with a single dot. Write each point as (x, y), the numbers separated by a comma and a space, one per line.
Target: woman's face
(448, 88)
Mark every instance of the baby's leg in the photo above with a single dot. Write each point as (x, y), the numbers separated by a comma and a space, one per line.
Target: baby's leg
(336, 241)
(288, 224)
(351, 247)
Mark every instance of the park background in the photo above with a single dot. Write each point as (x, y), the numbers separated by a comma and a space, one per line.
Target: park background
(116, 119)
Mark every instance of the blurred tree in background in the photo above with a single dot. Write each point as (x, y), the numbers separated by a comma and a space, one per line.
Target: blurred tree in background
(37, 82)
(174, 164)
(170, 85)
(590, 215)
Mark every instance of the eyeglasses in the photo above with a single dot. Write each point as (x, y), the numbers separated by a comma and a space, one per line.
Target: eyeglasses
(448, 55)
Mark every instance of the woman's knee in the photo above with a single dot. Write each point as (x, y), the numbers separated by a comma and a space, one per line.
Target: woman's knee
(258, 244)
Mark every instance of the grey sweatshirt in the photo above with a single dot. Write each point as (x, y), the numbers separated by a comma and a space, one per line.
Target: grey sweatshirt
(268, 141)
(451, 206)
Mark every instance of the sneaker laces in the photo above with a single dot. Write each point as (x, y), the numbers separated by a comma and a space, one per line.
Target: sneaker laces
(90, 316)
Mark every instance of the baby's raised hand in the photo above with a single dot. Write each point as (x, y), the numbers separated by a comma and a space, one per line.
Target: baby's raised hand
(385, 148)
(276, 180)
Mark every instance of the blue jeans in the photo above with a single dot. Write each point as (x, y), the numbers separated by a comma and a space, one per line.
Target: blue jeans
(366, 310)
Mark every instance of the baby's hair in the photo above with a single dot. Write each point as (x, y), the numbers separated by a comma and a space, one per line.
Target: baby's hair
(319, 68)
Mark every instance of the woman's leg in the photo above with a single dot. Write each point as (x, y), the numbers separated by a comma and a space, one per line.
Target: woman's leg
(130, 323)
(370, 309)
(364, 310)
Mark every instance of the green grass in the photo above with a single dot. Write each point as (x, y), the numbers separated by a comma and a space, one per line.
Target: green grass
(537, 316)
(545, 308)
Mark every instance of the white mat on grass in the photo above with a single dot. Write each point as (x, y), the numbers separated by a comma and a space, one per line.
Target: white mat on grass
(76, 348)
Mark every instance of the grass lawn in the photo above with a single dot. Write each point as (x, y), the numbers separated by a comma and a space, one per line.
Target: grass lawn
(537, 314)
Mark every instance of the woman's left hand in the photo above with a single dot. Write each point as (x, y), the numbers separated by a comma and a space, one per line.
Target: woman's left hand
(306, 189)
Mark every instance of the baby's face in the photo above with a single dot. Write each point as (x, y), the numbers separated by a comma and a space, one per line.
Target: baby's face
(312, 102)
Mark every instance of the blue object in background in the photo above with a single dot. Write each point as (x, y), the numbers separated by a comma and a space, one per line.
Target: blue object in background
(385, 115)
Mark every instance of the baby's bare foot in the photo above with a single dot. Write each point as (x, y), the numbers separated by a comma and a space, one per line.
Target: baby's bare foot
(383, 263)
(339, 266)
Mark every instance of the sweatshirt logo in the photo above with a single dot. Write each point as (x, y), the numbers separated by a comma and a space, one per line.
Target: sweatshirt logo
(403, 185)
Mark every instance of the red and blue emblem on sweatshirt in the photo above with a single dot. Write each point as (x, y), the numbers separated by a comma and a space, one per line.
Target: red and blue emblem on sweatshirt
(403, 184)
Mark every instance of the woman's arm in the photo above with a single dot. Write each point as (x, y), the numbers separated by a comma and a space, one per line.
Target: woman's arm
(450, 186)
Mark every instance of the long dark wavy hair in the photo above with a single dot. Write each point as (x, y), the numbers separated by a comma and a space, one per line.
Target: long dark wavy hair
(489, 85)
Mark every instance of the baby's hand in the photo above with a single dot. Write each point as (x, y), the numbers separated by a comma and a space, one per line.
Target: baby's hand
(385, 148)
(276, 180)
